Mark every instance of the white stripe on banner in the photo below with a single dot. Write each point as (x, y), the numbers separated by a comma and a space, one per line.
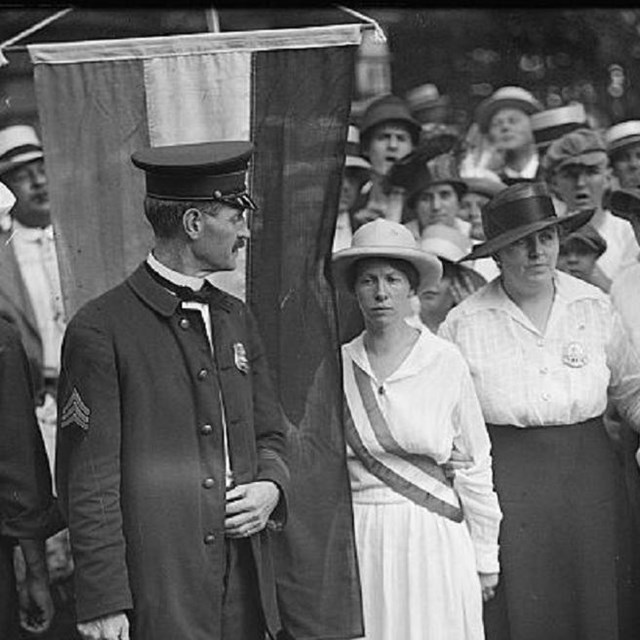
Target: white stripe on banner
(201, 98)
(198, 98)
(399, 466)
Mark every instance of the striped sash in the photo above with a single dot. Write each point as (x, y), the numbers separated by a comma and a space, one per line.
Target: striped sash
(416, 477)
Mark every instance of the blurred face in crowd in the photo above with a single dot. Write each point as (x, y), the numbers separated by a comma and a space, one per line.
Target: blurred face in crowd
(438, 203)
(529, 262)
(471, 211)
(581, 186)
(349, 190)
(437, 300)
(577, 258)
(388, 142)
(626, 166)
(383, 292)
(29, 185)
(510, 129)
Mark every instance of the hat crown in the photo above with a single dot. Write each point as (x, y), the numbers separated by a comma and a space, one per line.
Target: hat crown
(443, 168)
(388, 108)
(381, 233)
(503, 98)
(573, 146)
(516, 206)
(445, 242)
(17, 136)
(622, 134)
(569, 114)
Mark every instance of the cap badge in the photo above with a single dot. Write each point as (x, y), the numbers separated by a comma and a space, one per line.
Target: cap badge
(240, 357)
(574, 355)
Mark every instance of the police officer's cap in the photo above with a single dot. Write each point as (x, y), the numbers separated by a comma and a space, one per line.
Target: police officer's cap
(203, 171)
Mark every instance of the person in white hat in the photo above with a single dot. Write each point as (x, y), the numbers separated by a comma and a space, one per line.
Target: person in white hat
(30, 292)
(426, 538)
(623, 147)
(504, 118)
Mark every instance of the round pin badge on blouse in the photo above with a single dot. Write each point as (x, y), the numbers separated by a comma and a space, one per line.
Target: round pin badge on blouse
(574, 355)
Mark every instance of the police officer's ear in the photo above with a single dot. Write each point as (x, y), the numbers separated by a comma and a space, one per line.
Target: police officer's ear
(193, 223)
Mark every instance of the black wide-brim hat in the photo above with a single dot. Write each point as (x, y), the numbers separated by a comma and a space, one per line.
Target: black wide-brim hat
(518, 211)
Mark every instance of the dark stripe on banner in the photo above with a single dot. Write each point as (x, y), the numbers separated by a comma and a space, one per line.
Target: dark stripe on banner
(384, 436)
(393, 480)
(300, 107)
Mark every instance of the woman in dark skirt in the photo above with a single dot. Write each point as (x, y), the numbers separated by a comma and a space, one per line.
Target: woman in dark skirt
(546, 351)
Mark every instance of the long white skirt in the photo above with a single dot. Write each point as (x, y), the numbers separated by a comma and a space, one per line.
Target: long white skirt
(418, 572)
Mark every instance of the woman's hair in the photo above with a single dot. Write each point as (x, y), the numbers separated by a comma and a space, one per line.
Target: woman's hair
(397, 263)
(165, 216)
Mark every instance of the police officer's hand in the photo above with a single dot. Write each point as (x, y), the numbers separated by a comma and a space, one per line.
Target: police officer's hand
(248, 508)
(112, 627)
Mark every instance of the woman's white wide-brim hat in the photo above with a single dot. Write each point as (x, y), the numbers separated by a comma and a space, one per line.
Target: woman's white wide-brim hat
(385, 239)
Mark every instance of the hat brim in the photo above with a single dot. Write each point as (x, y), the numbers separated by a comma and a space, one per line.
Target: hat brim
(625, 203)
(488, 248)
(19, 160)
(618, 145)
(428, 266)
(488, 108)
(589, 159)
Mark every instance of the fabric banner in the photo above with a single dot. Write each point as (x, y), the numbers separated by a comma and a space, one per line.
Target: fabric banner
(289, 92)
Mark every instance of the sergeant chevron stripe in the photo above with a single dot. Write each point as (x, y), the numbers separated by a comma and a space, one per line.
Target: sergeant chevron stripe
(75, 411)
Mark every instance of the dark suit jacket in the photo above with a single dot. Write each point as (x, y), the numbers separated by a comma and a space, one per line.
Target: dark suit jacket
(139, 431)
(16, 307)
(27, 507)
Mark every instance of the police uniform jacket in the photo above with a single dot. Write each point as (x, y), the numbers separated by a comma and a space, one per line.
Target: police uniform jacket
(140, 459)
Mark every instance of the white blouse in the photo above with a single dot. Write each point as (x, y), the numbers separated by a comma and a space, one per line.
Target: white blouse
(431, 408)
(527, 378)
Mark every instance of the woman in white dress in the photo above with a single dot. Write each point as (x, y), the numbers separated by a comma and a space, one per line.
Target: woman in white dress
(426, 536)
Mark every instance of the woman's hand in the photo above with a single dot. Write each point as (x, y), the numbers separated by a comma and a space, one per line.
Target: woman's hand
(488, 582)
(457, 462)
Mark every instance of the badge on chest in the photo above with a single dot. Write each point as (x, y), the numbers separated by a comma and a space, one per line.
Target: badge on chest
(574, 355)
(240, 357)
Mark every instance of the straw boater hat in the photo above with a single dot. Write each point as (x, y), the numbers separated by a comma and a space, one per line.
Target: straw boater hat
(385, 239)
(518, 211)
(388, 109)
(551, 124)
(425, 97)
(505, 98)
(19, 144)
(445, 242)
(625, 203)
(622, 135)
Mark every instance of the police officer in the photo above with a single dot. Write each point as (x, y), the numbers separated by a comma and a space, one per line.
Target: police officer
(170, 457)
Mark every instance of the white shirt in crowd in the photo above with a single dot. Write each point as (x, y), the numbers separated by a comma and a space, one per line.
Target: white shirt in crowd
(622, 248)
(35, 252)
(529, 171)
(527, 378)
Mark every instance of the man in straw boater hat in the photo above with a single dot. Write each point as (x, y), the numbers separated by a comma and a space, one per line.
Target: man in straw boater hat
(576, 168)
(30, 292)
(623, 147)
(547, 355)
(410, 412)
(171, 447)
(388, 132)
(505, 118)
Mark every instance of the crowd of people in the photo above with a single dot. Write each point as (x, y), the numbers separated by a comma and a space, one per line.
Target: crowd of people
(488, 290)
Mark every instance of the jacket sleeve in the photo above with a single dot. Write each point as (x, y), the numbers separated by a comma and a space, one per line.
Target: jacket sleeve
(27, 507)
(269, 423)
(88, 468)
